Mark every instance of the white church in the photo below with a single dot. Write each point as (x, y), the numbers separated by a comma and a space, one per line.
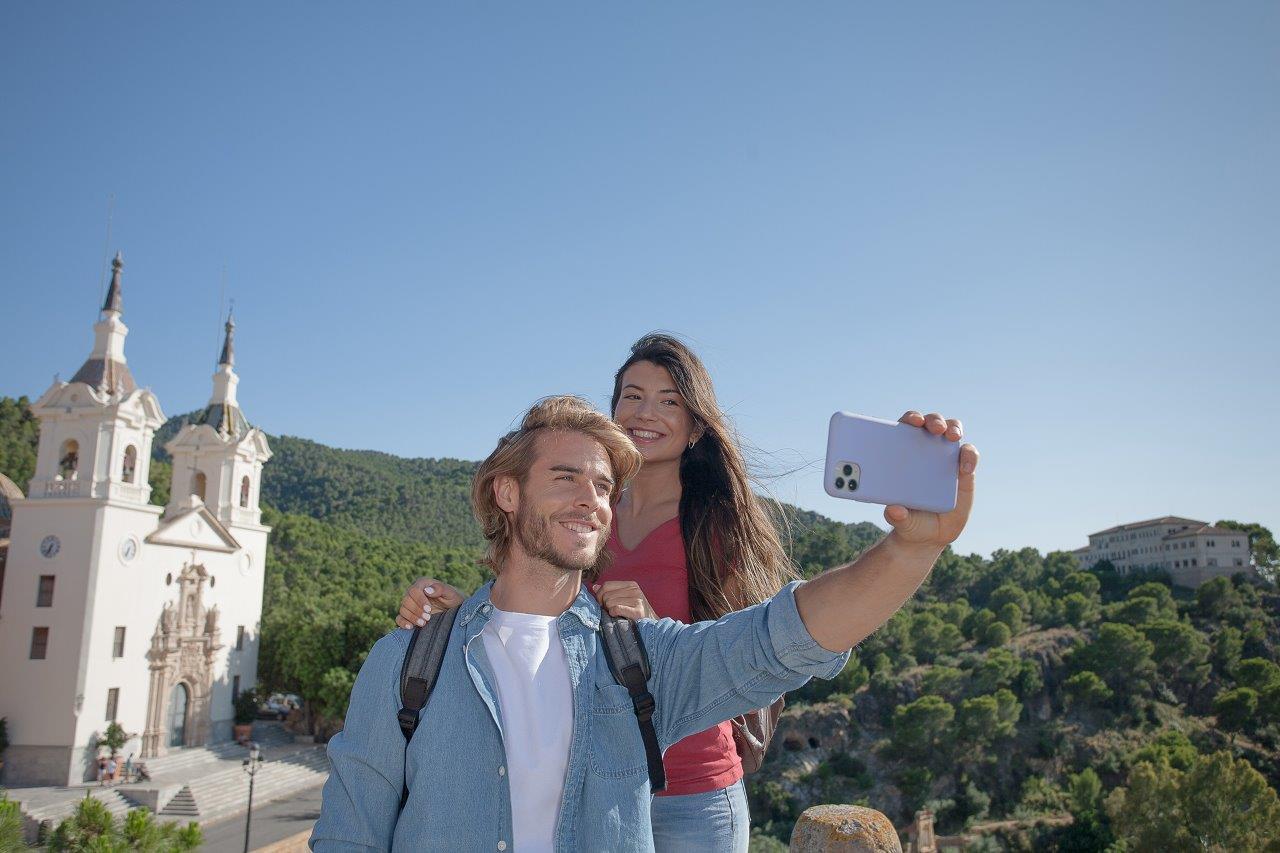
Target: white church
(114, 609)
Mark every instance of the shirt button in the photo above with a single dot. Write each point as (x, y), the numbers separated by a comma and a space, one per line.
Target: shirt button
(485, 609)
(502, 771)
(502, 845)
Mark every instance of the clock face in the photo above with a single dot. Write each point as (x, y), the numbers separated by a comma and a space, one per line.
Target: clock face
(49, 546)
(128, 548)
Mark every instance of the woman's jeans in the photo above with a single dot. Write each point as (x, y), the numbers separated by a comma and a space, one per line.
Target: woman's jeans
(714, 822)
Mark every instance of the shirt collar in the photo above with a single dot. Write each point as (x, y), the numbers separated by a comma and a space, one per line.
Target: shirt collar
(585, 608)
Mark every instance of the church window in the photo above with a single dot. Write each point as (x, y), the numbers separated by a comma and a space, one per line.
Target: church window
(117, 645)
(199, 484)
(39, 643)
(69, 459)
(244, 492)
(239, 638)
(113, 702)
(130, 464)
(44, 595)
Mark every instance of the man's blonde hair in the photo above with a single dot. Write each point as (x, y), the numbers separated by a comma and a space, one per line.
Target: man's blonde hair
(514, 456)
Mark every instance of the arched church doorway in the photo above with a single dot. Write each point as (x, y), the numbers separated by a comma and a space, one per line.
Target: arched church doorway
(183, 650)
(178, 715)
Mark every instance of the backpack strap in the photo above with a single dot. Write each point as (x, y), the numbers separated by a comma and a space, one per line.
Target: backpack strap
(629, 663)
(418, 674)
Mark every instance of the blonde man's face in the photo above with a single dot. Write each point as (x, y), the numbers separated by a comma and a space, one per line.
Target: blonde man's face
(563, 509)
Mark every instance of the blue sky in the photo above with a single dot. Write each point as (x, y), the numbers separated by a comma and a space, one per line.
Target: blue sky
(1060, 223)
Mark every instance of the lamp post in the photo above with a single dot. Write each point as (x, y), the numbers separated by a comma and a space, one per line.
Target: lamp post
(251, 765)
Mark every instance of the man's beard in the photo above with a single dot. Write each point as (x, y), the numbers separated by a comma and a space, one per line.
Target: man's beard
(534, 534)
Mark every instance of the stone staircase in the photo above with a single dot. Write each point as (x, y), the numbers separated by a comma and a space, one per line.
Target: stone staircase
(226, 791)
(210, 781)
(182, 806)
(60, 809)
(181, 762)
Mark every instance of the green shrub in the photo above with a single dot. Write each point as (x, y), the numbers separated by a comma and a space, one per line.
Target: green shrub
(246, 707)
(92, 828)
(10, 826)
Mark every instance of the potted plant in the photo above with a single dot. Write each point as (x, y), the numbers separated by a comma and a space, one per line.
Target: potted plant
(114, 739)
(246, 711)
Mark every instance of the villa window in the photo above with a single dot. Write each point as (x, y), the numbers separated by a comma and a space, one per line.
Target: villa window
(39, 643)
(44, 595)
(117, 644)
(244, 492)
(113, 702)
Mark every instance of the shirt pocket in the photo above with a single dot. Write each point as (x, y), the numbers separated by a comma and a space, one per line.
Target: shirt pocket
(617, 750)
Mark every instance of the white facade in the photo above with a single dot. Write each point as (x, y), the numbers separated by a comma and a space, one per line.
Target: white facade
(1191, 551)
(135, 606)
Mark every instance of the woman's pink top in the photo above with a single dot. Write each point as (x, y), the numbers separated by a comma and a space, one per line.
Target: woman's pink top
(707, 761)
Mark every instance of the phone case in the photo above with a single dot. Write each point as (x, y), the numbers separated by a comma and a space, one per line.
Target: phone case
(885, 462)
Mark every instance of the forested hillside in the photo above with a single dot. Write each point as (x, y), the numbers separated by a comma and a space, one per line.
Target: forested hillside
(1038, 707)
(1028, 704)
(421, 500)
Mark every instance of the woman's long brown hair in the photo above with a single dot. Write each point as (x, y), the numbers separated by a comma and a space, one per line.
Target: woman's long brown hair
(731, 545)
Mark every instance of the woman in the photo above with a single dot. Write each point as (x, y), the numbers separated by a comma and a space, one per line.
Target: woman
(691, 541)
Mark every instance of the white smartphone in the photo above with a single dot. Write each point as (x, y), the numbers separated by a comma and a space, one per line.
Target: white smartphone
(885, 462)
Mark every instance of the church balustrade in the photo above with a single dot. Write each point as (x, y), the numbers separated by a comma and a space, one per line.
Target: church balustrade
(127, 491)
(66, 489)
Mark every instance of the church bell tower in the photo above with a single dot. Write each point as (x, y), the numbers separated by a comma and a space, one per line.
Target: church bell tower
(219, 457)
(96, 430)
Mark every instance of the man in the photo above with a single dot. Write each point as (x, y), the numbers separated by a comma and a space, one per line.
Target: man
(528, 742)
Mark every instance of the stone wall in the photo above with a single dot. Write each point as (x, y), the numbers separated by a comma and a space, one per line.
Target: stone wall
(38, 765)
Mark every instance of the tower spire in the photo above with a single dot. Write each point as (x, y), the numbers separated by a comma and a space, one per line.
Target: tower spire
(114, 301)
(106, 369)
(223, 412)
(228, 356)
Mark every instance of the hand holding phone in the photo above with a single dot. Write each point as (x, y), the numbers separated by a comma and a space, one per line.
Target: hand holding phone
(878, 461)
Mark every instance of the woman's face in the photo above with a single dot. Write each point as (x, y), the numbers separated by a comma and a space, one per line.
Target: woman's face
(653, 413)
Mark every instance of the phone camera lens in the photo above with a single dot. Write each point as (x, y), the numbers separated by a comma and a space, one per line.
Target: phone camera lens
(848, 470)
(839, 482)
(853, 485)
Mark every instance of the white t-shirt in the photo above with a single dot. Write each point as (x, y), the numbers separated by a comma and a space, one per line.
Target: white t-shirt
(536, 699)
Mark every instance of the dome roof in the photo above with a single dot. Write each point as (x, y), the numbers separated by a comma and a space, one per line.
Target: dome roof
(9, 489)
(8, 493)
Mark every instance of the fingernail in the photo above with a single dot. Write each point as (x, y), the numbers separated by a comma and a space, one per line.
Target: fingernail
(967, 467)
(421, 623)
(431, 590)
(426, 618)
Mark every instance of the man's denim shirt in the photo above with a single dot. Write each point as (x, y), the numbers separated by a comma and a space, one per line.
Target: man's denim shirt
(455, 766)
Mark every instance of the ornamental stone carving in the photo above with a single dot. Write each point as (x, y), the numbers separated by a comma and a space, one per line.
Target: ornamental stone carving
(183, 648)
